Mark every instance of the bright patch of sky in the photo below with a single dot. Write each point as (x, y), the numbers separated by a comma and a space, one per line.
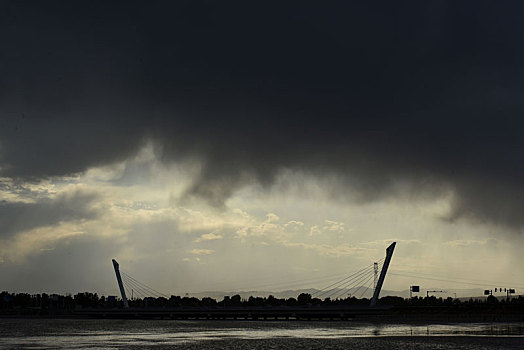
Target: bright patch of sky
(293, 231)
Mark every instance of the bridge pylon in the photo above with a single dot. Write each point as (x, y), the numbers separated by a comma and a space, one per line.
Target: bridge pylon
(120, 285)
(389, 254)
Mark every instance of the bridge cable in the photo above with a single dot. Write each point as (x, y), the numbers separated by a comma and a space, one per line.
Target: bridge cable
(354, 284)
(131, 285)
(362, 281)
(138, 288)
(363, 284)
(367, 288)
(349, 278)
(152, 291)
(145, 292)
(342, 289)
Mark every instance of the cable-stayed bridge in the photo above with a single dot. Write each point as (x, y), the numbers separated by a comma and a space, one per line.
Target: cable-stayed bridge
(342, 298)
(359, 282)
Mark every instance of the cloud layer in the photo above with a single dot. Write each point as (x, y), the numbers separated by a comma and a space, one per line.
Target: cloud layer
(428, 96)
(16, 217)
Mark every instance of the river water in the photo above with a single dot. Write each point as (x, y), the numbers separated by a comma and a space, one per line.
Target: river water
(168, 334)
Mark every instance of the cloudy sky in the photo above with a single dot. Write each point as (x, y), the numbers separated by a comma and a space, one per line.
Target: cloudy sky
(243, 145)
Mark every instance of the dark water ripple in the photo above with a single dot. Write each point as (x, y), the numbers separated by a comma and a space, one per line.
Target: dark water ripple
(144, 334)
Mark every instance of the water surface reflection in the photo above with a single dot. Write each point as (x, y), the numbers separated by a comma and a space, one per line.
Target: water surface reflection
(120, 334)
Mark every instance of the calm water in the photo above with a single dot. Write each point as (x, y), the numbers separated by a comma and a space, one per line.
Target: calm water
(157, 334)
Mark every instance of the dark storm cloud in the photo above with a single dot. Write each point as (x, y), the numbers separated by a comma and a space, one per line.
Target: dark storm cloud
(379, 92)
(18, 217)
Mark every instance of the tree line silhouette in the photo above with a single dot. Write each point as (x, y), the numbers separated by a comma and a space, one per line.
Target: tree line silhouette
(45, 304)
